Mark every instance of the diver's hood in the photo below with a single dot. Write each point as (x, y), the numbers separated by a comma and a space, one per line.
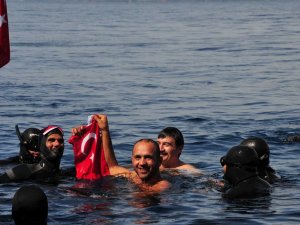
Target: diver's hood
(51, 156)
(30, 205)
(29, 140)
(241, 163)
(235, 175)
(262, 149)
(26, 157)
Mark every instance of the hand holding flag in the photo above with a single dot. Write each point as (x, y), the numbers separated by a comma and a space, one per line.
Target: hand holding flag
(89, 156)
(4, 35)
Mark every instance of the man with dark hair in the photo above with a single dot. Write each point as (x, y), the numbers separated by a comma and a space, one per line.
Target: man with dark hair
(171, 143)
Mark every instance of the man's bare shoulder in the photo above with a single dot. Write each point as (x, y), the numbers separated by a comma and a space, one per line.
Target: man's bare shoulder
(119, 171)
(158, 187)
(161, 186)
(188, 168)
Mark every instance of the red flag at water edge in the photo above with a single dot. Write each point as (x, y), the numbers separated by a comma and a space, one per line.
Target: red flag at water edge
(4, 36)
(89, 156)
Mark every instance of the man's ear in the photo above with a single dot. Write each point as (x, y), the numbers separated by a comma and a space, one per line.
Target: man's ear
(180, 148)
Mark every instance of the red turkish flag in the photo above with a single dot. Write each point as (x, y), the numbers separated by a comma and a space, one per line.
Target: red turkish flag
(89, 156)
(4, 37)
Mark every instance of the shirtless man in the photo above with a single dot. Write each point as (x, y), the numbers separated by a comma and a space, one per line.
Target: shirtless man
(145, 160)
(171, 142)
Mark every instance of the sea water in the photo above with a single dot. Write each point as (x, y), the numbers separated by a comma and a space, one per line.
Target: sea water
(218, 70)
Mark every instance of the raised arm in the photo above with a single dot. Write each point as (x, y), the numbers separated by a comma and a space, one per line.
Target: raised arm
(106, 140)
(109, 153)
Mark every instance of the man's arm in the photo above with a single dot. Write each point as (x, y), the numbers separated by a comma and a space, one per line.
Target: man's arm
(19, 172)
(109, 153)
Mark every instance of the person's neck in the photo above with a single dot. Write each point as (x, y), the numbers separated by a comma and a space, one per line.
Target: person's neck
(152, 180)
(173, 164)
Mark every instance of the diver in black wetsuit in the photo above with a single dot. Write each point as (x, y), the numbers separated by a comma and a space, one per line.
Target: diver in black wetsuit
(265, 171)
(240, 174)
(29, 148)
(30, 206)
(51, 144)
(29, 145)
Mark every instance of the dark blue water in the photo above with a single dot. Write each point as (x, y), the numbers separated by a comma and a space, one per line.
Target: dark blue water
(218, 70)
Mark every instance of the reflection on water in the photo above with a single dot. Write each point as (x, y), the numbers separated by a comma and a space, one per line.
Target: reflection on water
(144, 200)
(258, 205)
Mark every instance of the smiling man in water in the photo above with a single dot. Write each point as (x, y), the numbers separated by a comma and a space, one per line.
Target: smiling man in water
(145, 159)
(171, 143)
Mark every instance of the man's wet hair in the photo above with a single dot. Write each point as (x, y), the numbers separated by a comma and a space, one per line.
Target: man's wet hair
(174, 133)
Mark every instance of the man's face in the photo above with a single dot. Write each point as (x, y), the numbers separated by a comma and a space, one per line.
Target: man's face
(54, 142)
(168, 149)
(144, 160)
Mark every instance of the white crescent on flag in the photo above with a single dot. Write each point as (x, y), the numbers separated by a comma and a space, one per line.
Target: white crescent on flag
(89, 158)
(85, 140)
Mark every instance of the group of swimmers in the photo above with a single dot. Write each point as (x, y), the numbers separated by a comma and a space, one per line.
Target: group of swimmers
(246, 168)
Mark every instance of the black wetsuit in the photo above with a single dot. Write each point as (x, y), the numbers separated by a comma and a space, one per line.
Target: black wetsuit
(248, 188)
(43, 169)
(243, 182)
(268, 174)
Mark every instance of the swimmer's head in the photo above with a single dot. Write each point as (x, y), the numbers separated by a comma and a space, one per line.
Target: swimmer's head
(261, 147)
(29, 145)
(30, 206)
(146, 159)
(52, 144)
(174, 133)
(240, 156)
(171, 143)
(241, 163)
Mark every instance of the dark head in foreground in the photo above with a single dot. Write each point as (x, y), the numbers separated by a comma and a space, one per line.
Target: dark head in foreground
(240, 174)
(30, 206)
